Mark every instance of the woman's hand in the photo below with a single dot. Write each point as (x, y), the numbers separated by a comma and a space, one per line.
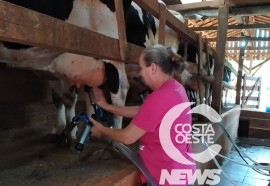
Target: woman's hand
(99, 97)
(96, 130)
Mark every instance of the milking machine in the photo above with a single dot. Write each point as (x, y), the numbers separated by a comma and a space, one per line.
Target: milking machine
(88, 125)
(99, 115)
(75, 121)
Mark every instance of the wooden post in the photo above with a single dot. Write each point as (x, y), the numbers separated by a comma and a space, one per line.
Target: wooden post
(244, 91)
(220, 56)
(239, 75)
(201, 83)
(162, 23)
(186, 44)
(207, 84)
(121, 29)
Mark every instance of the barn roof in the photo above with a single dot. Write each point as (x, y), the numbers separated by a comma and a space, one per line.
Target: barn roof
(249, 20)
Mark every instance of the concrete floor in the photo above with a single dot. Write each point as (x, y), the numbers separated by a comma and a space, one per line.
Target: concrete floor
(242, 175)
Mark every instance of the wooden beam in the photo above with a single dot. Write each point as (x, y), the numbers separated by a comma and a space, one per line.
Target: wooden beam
(233, 27)
(215, 4)
(184, 32)
(220, 56)
(247, 55)
(231, 57)
(251, 92)
(257, 53)
(245, 2)
(239, 76)
(255, 114)
(261, 63)
(194, 23)
(200, 5)
(248, 48)
(120, 17)
(200, 70)
(240, 39)
(172, 2)
(234, 11)
(162, 23)
(228, 85)
(152, 6)
(31, 28)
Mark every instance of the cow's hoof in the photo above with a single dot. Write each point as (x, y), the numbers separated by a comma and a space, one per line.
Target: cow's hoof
(51, 138)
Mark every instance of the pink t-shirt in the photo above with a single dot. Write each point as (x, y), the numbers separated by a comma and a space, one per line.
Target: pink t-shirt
(149, 117)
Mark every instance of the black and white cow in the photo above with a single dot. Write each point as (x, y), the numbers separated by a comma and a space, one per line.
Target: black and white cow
(96, 15)
(76, 70)
(143, 30)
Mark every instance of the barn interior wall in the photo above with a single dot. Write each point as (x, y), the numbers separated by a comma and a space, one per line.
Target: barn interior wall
(27, 115)
(25, 100)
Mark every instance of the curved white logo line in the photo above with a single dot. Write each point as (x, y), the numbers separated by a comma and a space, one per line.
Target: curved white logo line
(165, 128)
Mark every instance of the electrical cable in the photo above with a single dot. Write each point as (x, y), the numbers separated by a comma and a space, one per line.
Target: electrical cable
(134, 158)
(218, 165)
(242, 153)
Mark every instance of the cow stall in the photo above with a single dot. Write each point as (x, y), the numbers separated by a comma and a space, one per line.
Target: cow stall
(51, 164)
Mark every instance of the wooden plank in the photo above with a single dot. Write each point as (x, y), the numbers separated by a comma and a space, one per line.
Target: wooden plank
(200, 53)
(233, 27)
(259, 92)
(248, 48)
(259, 123)
(239, 82)
(184, 32)
(162, 23)
(259, 133)
(149, 5)
(259, 65)
(59, 36)
(120, 17)
(249, 88)
(251, 78)
(245, 2)
(251, 92)
(228, 85)
(152, 7)
(208, 5)
(172, 2)
(200, 70)
(220, 56)
(199, 5)
(250, 106)
(208, 94)
(255, 114)
(252, 98)
(240, 39)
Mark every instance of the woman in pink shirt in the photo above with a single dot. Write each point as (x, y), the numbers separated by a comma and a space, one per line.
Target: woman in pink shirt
(157, 64)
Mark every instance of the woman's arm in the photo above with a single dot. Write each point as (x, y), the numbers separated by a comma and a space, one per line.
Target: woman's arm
(128, 135)
(126, 111)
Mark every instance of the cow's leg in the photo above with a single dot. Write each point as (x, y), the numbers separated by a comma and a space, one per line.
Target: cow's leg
(57, 88)
(120, 97)
(60, 115)
(70, 100)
